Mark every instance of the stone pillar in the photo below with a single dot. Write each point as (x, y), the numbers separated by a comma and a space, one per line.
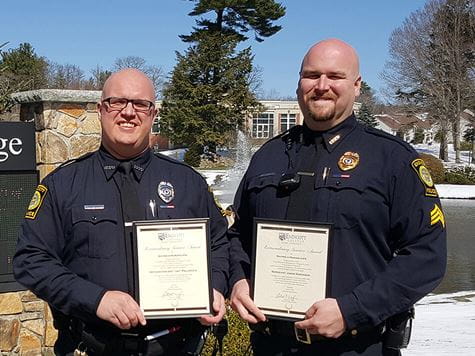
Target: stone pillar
(66, 121)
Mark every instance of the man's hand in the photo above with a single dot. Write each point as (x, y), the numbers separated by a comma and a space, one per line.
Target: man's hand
(324, 318)
(242, 303)
(120, 309)
(219, 308)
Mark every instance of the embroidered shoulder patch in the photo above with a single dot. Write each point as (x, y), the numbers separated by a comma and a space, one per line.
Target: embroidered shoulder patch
(36, 201)
(436, 215)
(425, 177)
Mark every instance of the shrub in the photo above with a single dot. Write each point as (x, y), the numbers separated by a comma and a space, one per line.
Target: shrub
(435, 167)
(236, 342)
(460, 175)
(193, 156)
(465, 146)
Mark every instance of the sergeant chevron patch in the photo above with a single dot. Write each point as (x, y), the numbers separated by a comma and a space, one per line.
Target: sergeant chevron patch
(437, 215)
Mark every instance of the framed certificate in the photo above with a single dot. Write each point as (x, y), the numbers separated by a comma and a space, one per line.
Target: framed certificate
(290, 266)
(172, 270)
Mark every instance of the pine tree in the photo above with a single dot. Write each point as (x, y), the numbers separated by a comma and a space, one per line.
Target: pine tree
(20, 69)
(25, 66)
(237, 17)
(365, 116)
(209, 92)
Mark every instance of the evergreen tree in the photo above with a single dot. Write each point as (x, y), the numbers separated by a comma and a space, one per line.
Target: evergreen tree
(208, 95)
(209, 92)
(366, 116)
(20, 69)
(236, 17)
(25, 66)
(368, 102)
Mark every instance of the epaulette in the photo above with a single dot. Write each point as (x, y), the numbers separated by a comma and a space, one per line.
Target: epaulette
(73, 160)
(289, 136)
(380, 133)
(175, 161)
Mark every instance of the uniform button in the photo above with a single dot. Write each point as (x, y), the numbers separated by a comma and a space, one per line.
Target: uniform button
(338, 182)
(354, 332)
(94, 218)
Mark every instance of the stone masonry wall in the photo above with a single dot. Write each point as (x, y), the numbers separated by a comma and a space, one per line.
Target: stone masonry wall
(26, 325)
(65, 131)
(67, 126)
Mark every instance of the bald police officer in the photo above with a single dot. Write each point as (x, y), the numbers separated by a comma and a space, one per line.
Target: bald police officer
(389, 239)
(73, 251)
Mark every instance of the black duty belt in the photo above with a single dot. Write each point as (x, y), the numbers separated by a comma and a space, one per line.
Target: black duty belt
(97, 341)
(287, 329)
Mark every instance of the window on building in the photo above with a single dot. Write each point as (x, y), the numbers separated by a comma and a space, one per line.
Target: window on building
(263, 125)
(287, 121)
(156, 125)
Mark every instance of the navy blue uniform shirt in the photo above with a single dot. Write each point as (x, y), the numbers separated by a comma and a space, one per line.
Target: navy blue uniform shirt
(71, 248)
(389, 239)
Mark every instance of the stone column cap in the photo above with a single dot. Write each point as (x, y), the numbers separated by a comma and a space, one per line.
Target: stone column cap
(57, 95)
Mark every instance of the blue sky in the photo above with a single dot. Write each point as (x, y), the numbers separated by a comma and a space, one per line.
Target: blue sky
(89, 33)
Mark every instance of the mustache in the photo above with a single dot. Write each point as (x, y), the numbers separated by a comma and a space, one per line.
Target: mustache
(325, 96)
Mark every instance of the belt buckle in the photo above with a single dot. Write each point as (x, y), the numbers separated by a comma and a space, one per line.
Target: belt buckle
(302, 336)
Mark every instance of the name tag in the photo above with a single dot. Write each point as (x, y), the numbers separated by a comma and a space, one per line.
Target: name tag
(93, 207)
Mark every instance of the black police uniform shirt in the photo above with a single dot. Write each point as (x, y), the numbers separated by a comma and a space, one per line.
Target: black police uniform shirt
(389, 239)
(71, 246)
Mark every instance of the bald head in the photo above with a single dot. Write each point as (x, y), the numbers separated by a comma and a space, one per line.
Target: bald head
(126, 121)
(329, 83)
(131, 81)
(336, 49)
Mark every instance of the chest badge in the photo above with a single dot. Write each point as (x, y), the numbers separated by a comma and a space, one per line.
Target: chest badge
(166, 191)
(348, 161)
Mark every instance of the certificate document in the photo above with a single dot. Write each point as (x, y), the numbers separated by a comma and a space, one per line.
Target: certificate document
(290, 266)
(172, 270)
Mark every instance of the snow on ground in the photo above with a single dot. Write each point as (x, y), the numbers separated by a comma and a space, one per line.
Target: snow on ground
(444, 326)
(449, 191)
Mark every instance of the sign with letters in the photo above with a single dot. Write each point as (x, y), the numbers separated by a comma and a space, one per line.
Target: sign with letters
(17, 146)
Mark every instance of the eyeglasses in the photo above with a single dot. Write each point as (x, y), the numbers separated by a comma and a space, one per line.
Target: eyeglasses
(119, 104)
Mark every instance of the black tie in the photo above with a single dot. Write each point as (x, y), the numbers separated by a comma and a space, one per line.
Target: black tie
(300, 204)
(131, 212)
(128, 193)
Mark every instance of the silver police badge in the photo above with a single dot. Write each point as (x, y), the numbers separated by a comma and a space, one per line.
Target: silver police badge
(166, 191)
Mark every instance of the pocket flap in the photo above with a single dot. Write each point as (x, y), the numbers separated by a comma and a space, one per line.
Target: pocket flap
(93, 216)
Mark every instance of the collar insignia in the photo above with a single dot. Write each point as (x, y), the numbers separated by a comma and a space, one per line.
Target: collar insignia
(348, 161)
(166, 191)
(334, 139)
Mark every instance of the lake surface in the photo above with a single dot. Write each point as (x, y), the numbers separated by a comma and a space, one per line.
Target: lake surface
(460, 218)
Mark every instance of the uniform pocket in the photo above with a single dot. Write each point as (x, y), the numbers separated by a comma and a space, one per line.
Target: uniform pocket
(345, 202)
(262, 191)
(95, 232)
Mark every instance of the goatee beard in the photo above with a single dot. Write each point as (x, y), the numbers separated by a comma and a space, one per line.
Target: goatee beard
(326, 117)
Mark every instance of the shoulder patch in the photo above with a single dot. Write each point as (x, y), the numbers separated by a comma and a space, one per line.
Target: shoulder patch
(425, 177)
(36, 201)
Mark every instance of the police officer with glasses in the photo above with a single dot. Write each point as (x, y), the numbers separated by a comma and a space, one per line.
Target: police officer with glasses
(74, 250)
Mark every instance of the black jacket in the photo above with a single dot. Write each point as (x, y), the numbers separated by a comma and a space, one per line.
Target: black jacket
(71, 246)
(389, 238)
